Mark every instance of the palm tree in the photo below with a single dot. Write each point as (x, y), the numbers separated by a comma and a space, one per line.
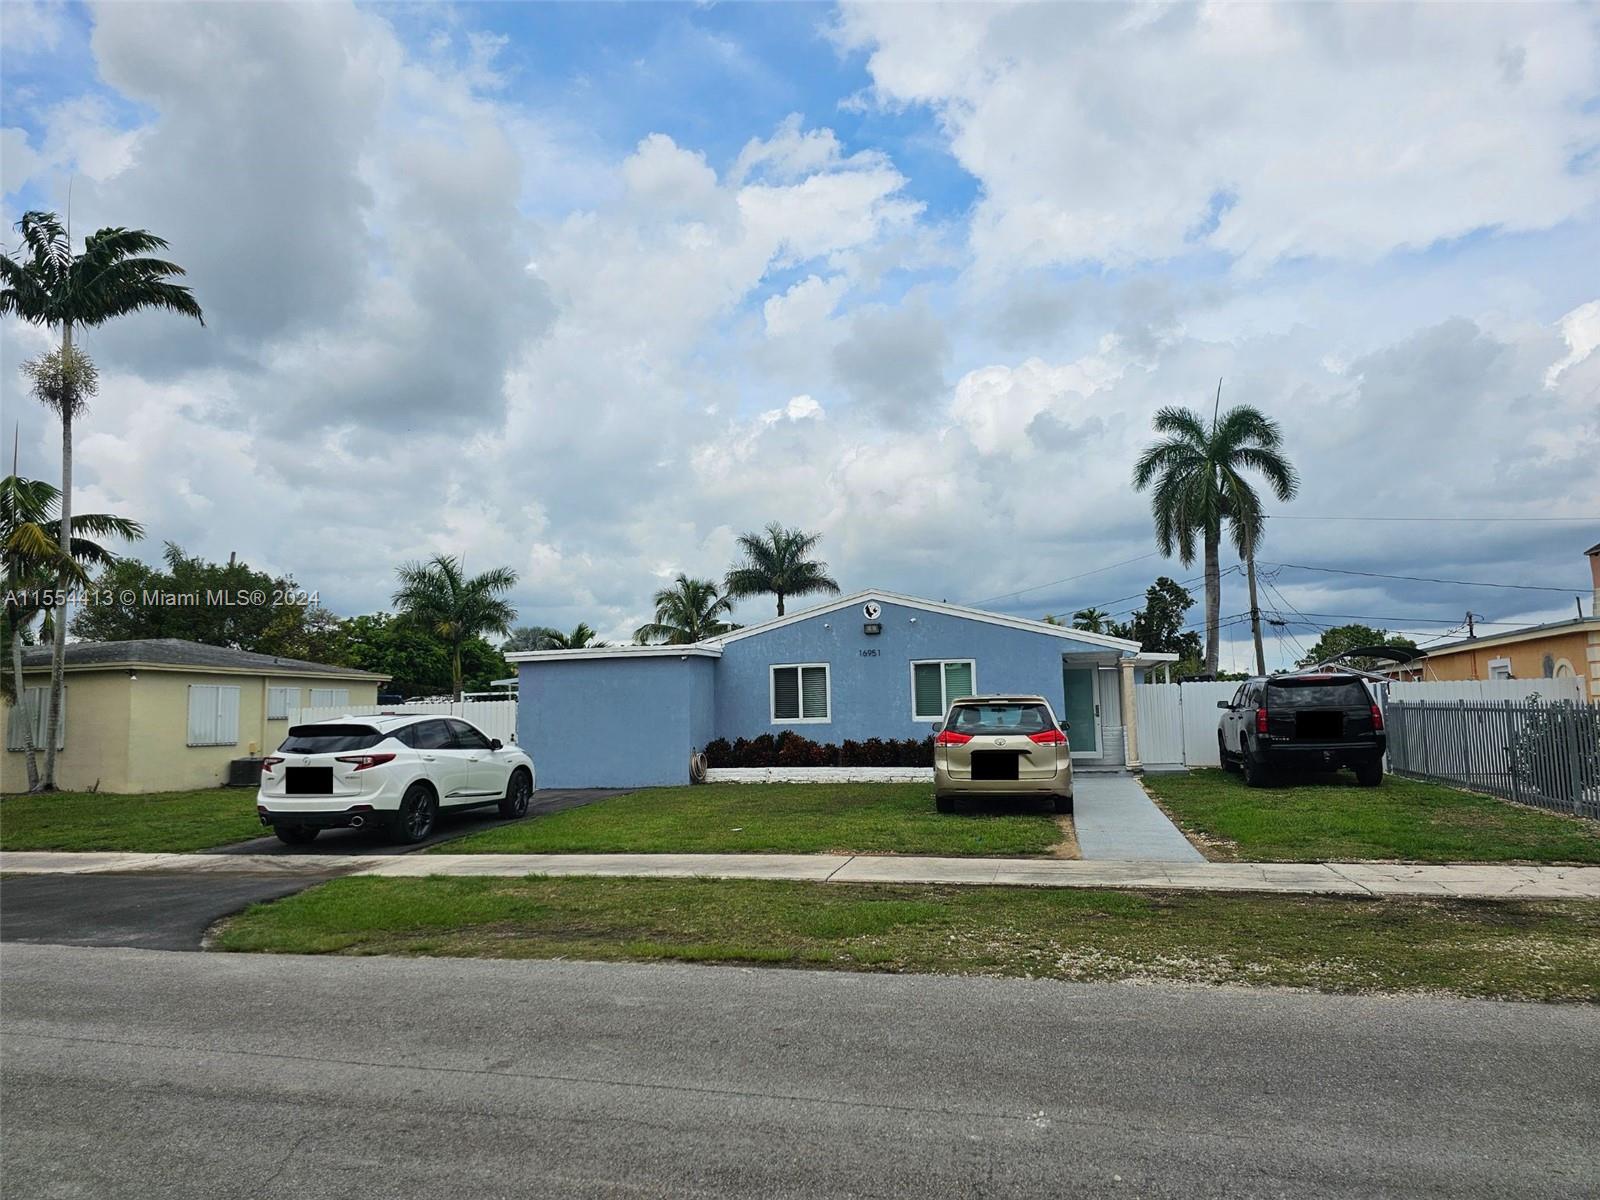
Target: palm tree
(524, 637)
(1090, 620)
(30, 538)
(582, 637)
(435, 596)
(689, 611)
(1199, 483)
(775, 564)
(47, 284)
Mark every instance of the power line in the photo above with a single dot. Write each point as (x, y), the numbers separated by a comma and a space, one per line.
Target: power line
(1470, 520)
(1054, 582)
(1410, 620)
(1521, 587)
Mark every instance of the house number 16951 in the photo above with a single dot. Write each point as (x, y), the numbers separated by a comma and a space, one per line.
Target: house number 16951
(868, 653)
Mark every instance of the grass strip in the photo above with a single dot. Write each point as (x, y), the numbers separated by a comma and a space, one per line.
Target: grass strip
(1535, 950)
(1334, 820)
(158, 822)
(775, 818)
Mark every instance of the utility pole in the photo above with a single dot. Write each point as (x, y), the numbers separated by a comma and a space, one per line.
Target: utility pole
(1255, 608)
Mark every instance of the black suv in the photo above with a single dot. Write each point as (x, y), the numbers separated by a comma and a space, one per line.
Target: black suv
(1314, 722)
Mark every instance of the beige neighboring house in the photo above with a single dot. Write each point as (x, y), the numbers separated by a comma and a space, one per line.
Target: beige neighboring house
(1556, 650)
(163, 714)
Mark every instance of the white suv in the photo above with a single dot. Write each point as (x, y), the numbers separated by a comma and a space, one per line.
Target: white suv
(400, 771)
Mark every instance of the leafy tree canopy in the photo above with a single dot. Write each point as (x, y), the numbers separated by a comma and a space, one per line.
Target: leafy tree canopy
(1159, 625)
(189, 606)
(1348, 637)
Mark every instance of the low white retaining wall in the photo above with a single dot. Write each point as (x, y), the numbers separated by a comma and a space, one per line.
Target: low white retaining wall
(820, 775)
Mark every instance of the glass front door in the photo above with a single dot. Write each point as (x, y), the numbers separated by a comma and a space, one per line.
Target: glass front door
(1081, 710)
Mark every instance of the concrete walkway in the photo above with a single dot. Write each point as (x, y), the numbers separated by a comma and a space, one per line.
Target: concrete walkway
(1117, 821)
(1349, 879)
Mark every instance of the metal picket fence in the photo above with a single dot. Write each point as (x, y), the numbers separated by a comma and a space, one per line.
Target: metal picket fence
(1545, 754)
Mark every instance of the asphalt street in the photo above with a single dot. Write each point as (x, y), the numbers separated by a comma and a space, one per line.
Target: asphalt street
(132, 1073)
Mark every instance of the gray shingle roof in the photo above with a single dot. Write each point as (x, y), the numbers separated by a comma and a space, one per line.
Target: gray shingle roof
(175, 652)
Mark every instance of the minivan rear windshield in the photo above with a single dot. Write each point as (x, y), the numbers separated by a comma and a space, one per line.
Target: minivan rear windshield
(330, 739)
(1317, 693)
(1000, 718)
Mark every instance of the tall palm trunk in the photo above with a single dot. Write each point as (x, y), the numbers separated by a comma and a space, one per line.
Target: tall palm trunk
(780, 604)
(21, 707)
(1213, 597)
(58, 654)
(455, 670)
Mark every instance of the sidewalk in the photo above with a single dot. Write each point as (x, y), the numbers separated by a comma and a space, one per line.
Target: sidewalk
(1348, 879)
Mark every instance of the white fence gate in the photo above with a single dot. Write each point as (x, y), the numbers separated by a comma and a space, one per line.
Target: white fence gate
(497, 718)
(1178, 721)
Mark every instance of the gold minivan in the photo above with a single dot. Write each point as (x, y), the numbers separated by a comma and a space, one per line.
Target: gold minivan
(990, 746)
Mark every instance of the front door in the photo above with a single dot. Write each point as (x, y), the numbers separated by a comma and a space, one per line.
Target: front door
(1081, 710)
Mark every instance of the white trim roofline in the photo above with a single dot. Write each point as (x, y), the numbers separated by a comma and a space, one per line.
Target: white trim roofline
(698, 650)
(934, 606)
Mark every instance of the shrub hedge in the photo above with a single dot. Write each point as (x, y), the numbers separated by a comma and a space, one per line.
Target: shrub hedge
(789, 749)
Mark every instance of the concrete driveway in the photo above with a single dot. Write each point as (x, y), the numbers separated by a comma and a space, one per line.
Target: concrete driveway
(133, 1074)
(1116, 819)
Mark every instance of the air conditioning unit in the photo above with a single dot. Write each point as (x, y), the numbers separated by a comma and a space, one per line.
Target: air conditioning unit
(244, 772)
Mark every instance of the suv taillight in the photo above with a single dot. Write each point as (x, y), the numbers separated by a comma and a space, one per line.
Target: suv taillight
(363, 761)
(1261, 720)
(1377, 719)
(1048, 737)
(949, 737)
(268, 763)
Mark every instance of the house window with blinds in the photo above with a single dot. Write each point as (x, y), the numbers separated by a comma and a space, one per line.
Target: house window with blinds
(799, 693)
(330, 697)
(934, 685)
(213, 715)
(30, 717)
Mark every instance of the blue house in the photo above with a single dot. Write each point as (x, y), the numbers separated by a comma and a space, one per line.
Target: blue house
(875, 664)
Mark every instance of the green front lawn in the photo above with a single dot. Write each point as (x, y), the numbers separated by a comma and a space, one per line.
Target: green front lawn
(786, 818)
(1336, 820)
(1538, 950)
(156, 822)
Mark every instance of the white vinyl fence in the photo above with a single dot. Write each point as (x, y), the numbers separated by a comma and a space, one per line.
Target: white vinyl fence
(1178, 721)
(497, 718)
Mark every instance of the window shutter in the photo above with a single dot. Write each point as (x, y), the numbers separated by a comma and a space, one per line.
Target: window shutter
(925, 685)
(341, 697)
(280, 701)
(213, 715)
(814, 693)
(957, 681)
(30, 709)
(785, 694)
(227, 716)
(202, 714)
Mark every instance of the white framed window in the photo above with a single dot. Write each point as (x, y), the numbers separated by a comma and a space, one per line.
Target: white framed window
(1499, 668)
(213, 715)
(330, 697)
(34, 710)
(281, 701)
(935, 683)
(801, 693)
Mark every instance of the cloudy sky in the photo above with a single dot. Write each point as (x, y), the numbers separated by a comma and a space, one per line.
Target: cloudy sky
(588, 290)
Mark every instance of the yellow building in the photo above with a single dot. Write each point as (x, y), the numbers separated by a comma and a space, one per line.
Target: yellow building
(1557, 650)
(162, 714)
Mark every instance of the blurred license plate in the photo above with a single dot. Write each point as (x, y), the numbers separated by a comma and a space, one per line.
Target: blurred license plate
(308, 781)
